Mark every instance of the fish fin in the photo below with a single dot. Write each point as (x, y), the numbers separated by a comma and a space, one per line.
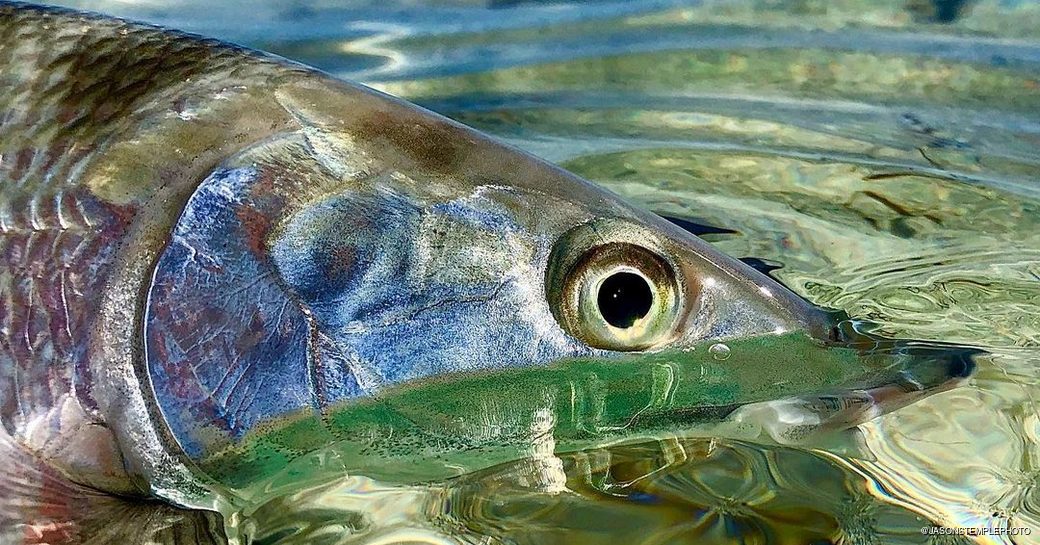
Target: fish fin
(701, 228)
(764, 266)
(848, 443)
(39, 505)
(697, 227)
(802, 420)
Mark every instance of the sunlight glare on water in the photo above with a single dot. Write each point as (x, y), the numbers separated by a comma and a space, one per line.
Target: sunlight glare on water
(885, 154)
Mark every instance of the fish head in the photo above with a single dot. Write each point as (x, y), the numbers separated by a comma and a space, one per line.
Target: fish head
(479, 229)
(387, 283)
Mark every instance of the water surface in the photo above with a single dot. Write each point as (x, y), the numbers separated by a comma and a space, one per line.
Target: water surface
(884, 155)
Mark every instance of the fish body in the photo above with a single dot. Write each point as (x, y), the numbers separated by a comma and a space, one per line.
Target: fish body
(216, 261)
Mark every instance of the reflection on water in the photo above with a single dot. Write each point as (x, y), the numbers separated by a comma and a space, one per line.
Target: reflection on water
(885, 153)
(671, 491)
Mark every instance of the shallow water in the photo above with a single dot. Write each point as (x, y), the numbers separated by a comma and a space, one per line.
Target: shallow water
(885, 154)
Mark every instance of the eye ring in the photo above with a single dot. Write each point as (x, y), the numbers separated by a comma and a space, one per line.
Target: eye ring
(615, 295)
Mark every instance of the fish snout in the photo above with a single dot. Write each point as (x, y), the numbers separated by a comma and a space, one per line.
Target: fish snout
(893, 373)
(625, 286)
(731, 300)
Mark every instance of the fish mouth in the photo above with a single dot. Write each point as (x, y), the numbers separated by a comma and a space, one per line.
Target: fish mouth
(901, 372)
(792, 386)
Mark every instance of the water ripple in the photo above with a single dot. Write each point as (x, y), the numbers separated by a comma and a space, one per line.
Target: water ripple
(885, 153)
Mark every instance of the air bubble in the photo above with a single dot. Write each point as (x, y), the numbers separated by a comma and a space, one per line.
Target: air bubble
(719, 351)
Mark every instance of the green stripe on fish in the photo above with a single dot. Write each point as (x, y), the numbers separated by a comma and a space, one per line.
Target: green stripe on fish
(446, 426)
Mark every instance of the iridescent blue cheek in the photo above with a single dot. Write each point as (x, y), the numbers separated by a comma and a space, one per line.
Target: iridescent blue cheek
(253, 316)
(416, 291)
(226, 348)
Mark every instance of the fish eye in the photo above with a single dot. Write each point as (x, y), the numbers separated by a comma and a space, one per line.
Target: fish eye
(624, 298)
(615, 295)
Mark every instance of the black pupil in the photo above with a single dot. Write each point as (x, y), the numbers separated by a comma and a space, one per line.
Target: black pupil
(624, 298)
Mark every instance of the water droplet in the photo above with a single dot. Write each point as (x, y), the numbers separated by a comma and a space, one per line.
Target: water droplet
(719, 351)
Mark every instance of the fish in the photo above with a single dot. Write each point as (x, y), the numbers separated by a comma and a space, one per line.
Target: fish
(223, 270)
